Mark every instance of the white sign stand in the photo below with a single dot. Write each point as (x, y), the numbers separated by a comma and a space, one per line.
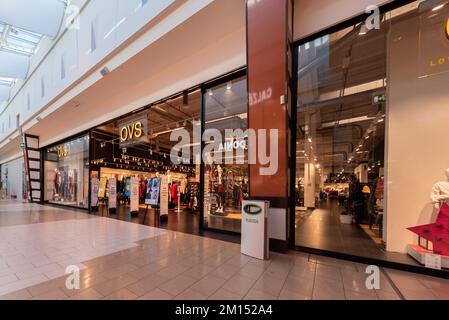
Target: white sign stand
(112, 203)
(134, 198)
(95, 183)
(255, 229)
(164, 196)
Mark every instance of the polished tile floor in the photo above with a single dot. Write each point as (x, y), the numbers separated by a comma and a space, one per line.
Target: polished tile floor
(321, 229)
(120, 260)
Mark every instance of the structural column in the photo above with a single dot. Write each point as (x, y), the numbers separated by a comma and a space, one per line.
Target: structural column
(267, 45)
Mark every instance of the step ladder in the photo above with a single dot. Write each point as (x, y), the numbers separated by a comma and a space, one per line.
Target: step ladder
(32, 157)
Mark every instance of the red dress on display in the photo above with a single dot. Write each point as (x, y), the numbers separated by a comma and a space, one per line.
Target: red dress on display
(174, 193)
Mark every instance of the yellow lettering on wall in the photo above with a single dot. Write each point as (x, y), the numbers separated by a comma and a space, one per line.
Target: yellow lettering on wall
(131, 131)
(138, 129)
(62, 152)
(123, 134)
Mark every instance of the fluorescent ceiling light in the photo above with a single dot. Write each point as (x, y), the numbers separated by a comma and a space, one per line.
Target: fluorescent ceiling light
(166, 132)
(347, 121)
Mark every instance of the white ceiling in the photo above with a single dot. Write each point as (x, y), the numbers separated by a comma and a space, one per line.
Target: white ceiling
(23, 24)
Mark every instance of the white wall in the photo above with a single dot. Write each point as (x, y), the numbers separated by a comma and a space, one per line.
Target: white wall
(312, 16)
(417, 129)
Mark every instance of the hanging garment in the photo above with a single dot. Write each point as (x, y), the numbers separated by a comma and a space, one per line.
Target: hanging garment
(174, 193)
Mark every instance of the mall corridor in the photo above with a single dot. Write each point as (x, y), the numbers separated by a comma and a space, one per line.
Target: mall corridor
(122, 260)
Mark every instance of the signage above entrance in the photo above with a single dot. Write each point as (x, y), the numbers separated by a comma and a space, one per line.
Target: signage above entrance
(133, 132)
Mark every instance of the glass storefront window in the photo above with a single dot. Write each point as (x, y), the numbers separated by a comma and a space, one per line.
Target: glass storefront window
(67, 173)
(371, 172)
(119, 156)
(226, 183)
(341, 142)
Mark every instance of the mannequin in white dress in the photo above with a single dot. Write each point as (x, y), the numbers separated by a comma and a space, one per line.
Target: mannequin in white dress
(440, 192)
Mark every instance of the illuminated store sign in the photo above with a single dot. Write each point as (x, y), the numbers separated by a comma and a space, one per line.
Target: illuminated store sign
(63, 152)
(132, 132)
(434, 48)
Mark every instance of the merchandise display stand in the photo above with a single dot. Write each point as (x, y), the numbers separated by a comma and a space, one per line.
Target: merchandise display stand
(419, 254)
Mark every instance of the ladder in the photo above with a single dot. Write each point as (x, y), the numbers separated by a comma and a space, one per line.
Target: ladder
(32, 158)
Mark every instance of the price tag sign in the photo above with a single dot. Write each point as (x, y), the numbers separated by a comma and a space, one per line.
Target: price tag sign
(433, 261)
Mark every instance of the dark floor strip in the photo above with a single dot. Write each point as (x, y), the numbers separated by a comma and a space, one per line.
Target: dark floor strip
(393, 285)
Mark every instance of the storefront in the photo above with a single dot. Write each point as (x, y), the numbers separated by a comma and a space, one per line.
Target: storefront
(12, 180)
(66, 173)
(371, 112)
(138, 147)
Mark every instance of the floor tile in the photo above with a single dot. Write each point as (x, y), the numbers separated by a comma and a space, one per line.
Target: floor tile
(122, 294)
(199, 271)
(223, 294)
(239, 284)
(252, 271)
(52, 295)
(190, 294)
(147, 284)
(289, 295)
(18, 295)
(226, 271)
(156, 294)
(208, 285)
(177, 285)
(110, 286)
(88, 294)
(259, 295)
(385, 295)
(353, 295)
(269, 284)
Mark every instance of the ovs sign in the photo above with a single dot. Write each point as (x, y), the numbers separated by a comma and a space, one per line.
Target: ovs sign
(133, 131)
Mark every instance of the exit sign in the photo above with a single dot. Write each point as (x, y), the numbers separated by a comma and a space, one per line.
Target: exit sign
(378, 99)
(22, 145)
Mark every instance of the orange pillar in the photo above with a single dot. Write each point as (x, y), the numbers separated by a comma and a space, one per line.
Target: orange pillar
(267, 61)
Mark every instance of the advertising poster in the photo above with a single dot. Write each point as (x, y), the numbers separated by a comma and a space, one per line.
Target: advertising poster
(102, 187)
(95, 183)
(134, 199)
(112, 183)
(164, 196)
(152, 194)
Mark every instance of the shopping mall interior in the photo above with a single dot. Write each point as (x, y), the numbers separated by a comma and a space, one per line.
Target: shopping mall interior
(110, 162)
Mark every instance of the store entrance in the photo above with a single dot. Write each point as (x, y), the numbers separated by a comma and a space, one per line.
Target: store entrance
(339, 198)
(134, 153)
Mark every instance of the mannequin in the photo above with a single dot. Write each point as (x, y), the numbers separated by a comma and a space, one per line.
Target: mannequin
(440, 192)
(220, 174)
(169, 177)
